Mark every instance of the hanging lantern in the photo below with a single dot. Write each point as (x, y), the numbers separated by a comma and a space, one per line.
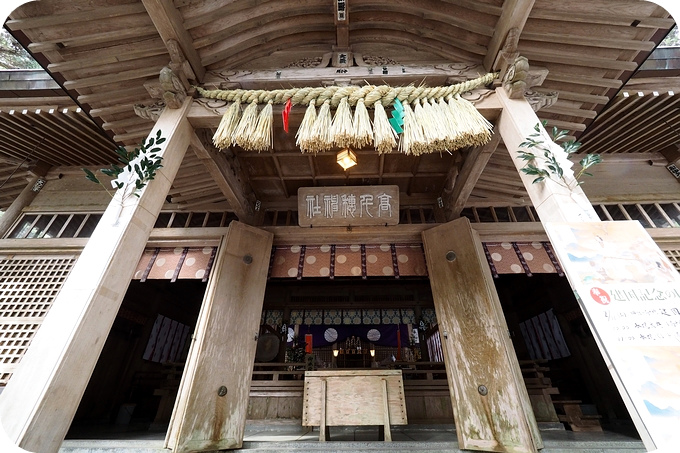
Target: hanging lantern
(347, 158)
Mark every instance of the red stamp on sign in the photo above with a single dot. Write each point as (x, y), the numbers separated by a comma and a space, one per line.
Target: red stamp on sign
(600, 296)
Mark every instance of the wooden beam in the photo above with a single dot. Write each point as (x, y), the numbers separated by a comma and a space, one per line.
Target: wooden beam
(341, 26)
(431, 75)
(650, 84)
(542, 55)
(589, 81)
(74, 17)
(231, 181)
(573, 96)
(469, 175)
(560, 109)
(135, 94)
(113, 55)
(602, 18)
(591, 41)
(514, 15)
(169, 23)
(69, 45)
(105, 79)
(567, 125)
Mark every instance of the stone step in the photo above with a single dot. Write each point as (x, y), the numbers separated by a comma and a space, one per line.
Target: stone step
(287, 438)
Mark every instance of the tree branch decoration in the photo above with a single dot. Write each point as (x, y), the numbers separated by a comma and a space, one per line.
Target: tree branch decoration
(543, 163)
(139, 167)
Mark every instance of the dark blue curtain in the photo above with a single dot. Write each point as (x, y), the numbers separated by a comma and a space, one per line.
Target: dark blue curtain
(388, 334)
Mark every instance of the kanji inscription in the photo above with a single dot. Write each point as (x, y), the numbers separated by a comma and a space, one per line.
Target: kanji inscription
(348, 206)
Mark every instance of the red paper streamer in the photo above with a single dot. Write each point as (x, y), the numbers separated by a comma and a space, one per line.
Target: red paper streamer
(284, 114)
(308, 343)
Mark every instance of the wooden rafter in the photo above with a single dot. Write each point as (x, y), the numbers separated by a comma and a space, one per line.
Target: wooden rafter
(74, 17)
(249, 19)
(467, 178)
(515, 14)
(231, 181)
(168, 22)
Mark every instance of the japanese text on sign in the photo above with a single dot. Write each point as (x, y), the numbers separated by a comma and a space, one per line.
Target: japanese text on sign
(645, 314)
(352, 205)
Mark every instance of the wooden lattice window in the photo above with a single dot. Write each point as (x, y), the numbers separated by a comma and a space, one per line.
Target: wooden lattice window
(674, 256)
(51, 225)
(28, 286)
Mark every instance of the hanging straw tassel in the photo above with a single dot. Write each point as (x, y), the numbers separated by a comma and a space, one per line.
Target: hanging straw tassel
(246, 127)
(412, 140)
(384, 137)
(363, 131)
(424, 120)
(342, 129)
(438, 121)
(480, 128)
(263, 136)
(303, 137)
(321, 133)
(223, 136)
(453, 137)
(458, 117)
(428, 123)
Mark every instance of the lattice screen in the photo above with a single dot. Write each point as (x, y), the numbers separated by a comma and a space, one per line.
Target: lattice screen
(674, 256)
(28, 285)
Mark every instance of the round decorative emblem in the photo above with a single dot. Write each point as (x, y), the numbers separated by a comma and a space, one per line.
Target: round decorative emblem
(373, 335)
(331, 335)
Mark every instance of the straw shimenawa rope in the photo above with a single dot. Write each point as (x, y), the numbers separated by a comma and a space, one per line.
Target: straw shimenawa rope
(334, 94)
(440, 120)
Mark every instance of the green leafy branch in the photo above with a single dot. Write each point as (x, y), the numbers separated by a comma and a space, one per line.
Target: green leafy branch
(542, 163)
(138, 168)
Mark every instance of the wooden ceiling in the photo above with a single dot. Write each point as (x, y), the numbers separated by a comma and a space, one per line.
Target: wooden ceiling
(103, 52)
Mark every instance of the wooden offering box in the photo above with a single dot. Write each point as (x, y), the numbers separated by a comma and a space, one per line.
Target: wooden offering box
(352, 398)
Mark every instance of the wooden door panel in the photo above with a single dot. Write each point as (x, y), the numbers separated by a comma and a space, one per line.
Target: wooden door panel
(222, 353)
(491, 407)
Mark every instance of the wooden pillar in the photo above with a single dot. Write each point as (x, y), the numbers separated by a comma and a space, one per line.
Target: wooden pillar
(552, 201)
(24, 199)
(41, 398)
(491, 406)
(212, 402)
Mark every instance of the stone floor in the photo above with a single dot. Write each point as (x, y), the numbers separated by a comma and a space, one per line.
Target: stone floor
(291, 437)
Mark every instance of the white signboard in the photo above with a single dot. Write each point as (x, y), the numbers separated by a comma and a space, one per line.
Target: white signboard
(348, 206)
(630, 294)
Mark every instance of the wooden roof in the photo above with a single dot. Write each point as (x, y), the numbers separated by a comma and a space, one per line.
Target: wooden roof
(104, 52)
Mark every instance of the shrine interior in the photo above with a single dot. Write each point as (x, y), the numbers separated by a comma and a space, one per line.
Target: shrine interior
(130, 391)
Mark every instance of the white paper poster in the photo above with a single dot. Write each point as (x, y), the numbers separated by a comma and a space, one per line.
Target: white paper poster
(630, 294)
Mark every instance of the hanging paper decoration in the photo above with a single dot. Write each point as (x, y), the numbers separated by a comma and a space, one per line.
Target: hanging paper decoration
(285, 113)
(427, 119)
(397, 120)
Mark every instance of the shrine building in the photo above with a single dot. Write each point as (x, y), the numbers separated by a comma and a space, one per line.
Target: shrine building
(325, 214)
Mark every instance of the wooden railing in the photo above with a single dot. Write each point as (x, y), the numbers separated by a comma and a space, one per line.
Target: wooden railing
(287, 379)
